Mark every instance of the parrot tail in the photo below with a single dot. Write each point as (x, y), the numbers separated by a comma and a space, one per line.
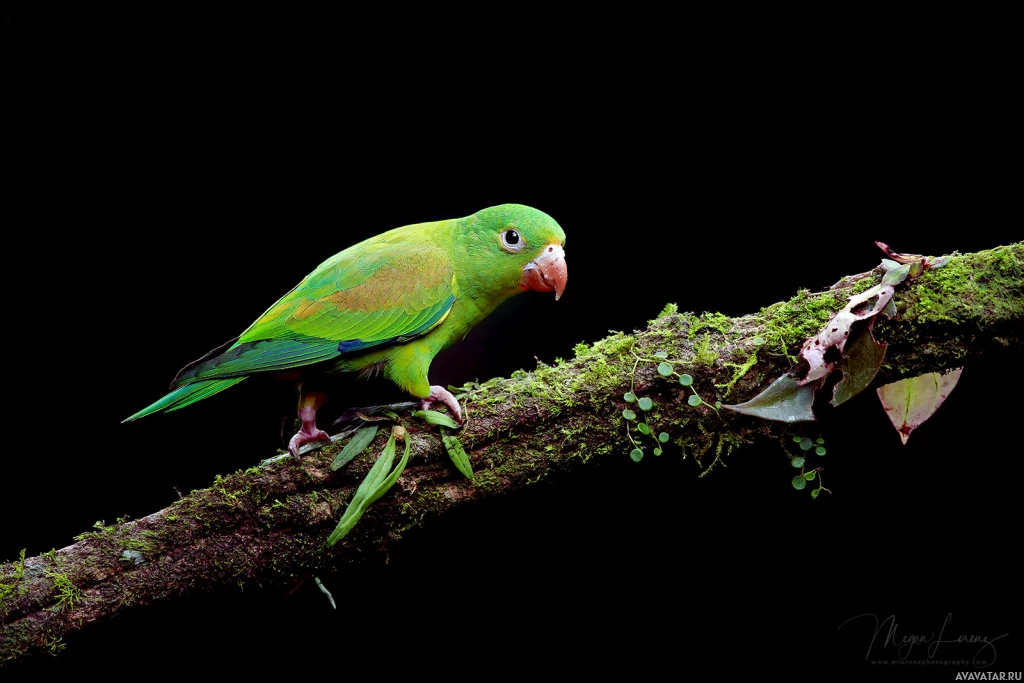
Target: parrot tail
(186, 395)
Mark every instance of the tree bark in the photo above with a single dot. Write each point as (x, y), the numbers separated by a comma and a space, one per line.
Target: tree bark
(270, 523)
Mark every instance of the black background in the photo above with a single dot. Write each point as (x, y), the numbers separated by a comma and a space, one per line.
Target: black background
(185, 171)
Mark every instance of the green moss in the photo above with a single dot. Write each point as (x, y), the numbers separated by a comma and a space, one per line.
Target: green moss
(785, 325)
(19, 566)
(864, 284)
(740, 370)
(53, 645)
(969, 287)
(66, 592)
(6, 590)
(144, 543)
(718, 322)
(669, 309)
(704, 351)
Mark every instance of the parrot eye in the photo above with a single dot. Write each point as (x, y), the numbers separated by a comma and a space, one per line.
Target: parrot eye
(512, 241)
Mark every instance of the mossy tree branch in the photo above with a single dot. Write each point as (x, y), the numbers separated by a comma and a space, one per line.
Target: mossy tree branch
(270, 523)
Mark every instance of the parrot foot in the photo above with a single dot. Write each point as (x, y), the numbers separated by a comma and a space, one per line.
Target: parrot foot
(439, 394)
(304, 436)
(309, 403)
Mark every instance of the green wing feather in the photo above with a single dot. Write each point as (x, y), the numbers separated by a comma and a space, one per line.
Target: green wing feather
(187, 395)
(385, 290)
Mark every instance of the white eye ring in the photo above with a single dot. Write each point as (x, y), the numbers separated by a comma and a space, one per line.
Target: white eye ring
(512, 241)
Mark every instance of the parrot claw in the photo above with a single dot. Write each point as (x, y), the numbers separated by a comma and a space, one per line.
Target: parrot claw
(439, 394)
(304, 436)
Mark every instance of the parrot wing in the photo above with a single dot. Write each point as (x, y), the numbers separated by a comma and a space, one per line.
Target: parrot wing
(382, 291)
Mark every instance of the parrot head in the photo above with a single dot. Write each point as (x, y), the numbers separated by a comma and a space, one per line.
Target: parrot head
(518, 248)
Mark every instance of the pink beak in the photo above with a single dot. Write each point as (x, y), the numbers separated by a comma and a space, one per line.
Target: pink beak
(547, 272)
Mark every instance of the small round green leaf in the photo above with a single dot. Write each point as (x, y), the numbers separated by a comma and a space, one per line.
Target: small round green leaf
(628, 397)
(645, 403)
(636, 455)
(758, 341)
(809, 476)
(694, 400)
(797, 462)
(643, 428)
(799, 483)
(819, 440)
(663, 437)
(718, 405)
(820, 450)
(661, 354)
(664, 369)
(797, 439)
(815, 492)
(657, 451)
(806, 444)
(685, 380)
(628, 414)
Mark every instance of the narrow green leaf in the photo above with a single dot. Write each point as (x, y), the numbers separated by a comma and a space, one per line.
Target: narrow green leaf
(664, 369)
(628, 397)
(645, 403)
(799, 483)
(694, 400)
(636, 455)
(360, 440)
(382, 466)
(890, 264)
(361, 499)
(326, 592)
(685, 379)
(661, 354)
(628, 414)
(458, 455)
(435, 418)
(393, 477)
(663, 437)
(643, 428)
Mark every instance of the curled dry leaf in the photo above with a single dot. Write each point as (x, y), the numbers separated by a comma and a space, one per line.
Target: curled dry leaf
(921, 263)
(837, 332)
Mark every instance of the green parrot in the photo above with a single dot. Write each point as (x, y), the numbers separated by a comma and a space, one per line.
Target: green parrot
(387, 306)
